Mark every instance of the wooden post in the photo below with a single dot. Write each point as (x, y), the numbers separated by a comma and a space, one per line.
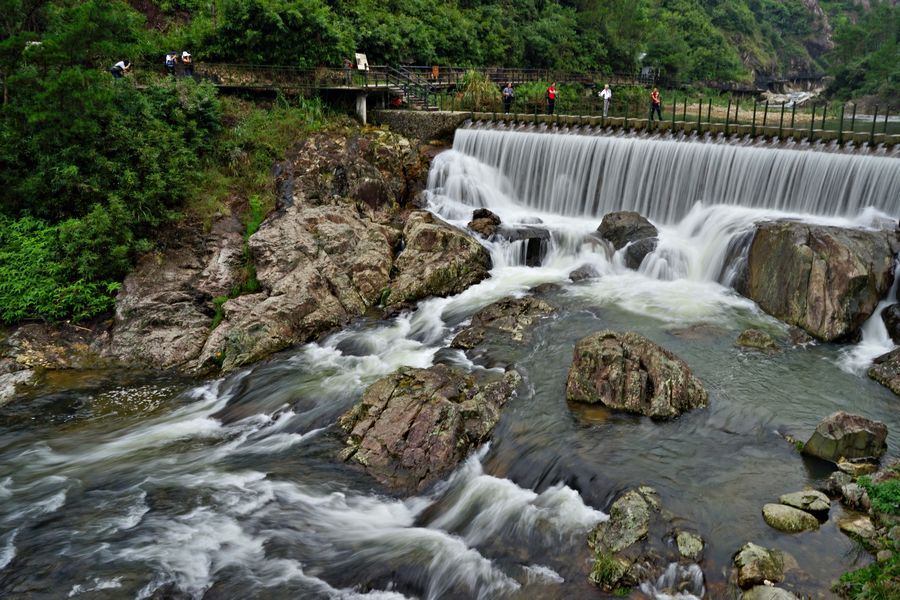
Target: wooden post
(840, 135)
(824, 110)
(781, 121)
(765, 116)
(753, 123)
(793, 114)
(709, 111)
(853, 120)
(886, 113)
(626, 116)
(737, 108)
(684, 110)
(699, 113)
(872, 132)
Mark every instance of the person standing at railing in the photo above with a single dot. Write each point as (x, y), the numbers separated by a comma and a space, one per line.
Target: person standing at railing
(551, 98)
(606, 94)
(348, 72)
(507, 97)
(655, 104)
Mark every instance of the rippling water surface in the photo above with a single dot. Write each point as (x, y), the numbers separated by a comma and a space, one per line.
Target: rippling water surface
(124, 485)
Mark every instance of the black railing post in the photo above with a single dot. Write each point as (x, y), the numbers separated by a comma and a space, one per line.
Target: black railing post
(673, 111)
(840, 136)
(853, 121)
(684, 110)
(727, 116)
(737, 111)
(753, 122)
(872, 131)
(699, 113)
(793, 114)
(765, 116)
(886, 113)
(781, 121)
(812, 123)
(709, 111)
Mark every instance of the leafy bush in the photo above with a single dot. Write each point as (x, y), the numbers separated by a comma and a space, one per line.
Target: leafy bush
(884, 496)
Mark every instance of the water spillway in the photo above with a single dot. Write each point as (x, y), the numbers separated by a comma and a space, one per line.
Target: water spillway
(580, 175)
(121, 485)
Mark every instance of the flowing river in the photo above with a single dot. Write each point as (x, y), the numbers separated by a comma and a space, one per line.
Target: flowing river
(131, 485)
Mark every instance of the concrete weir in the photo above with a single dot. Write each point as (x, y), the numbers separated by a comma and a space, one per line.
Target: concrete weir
(434, 125)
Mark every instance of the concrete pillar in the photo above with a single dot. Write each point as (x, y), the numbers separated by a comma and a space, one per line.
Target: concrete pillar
(361, 107)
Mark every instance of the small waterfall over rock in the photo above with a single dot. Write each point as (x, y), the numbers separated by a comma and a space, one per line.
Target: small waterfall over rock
(578, 175)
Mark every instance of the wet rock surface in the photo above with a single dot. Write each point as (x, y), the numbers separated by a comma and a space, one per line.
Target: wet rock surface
(634, 545)
(756, 565)
(842, 435)
(788, 519)
(626, 371)
(886, 370)
(484, 222)
(414, 426)
(509, 317)
(537, 240)
(826, 280)
(582, 273)
(626, 228)
(810, 501)
(438, 260)
(891, 318)
(767, 592)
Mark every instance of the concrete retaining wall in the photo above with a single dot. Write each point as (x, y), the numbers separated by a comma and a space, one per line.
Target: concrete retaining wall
(421, 125)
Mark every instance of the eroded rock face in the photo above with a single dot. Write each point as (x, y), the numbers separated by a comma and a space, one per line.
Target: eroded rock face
(626, 228)
(848, 436)
(413, 426)
(438, 260)
(891, 318)
(626, 371)
(756, 564)
(826, 280)
(511, 317)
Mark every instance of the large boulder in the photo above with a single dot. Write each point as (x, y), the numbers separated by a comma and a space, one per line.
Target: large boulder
(886, 370)
(755, 565)
(626, 371)
(626, 228)
(842, 435)
(809, 501)
(826, 280)
(438, 260)
(510, 317)
(412, 427)
(636, 543)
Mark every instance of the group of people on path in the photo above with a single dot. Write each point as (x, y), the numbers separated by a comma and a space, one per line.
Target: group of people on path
(123, 67)
(605, 94)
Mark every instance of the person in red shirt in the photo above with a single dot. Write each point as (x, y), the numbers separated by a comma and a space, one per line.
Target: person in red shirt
(551, 98)
(655, 104)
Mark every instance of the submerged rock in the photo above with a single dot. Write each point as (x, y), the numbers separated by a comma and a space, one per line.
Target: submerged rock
(10, 383)
(690, 545)
(756, 565)
(886, 370)
(809, 501)
(484, 222)
(842, 435)
(583, 272)
(759, 340)
(509, 316)
(414, 426)
(826, 280)
(438, 260)
(626, 371)
(859, 528)
(788, 519)
(630, 230)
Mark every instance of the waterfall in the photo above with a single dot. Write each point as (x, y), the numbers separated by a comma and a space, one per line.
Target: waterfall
(590, 175)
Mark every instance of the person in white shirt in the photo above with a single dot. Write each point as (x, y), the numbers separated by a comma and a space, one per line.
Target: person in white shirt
(188, 65)
(120, 69)
(606, 94)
